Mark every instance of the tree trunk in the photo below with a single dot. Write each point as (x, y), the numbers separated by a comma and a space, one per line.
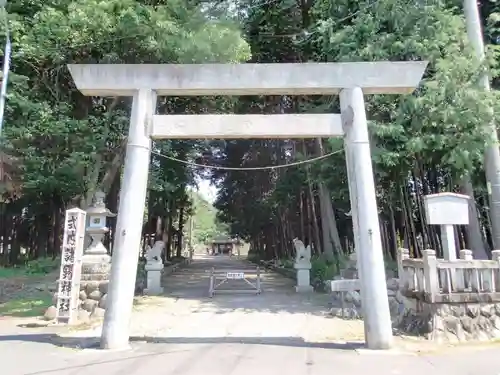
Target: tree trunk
(97, 162)
(58, 224)
(393, 233)
(302, 216)
(410, 225)
(159, 229)
(333, 232)
(474, 238)
(312, 207)
(180, 232)
(168, 232)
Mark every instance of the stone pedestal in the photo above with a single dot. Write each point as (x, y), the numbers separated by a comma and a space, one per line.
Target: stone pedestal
(303, 278)
(96, 267)
(153, 271)
(94, 284)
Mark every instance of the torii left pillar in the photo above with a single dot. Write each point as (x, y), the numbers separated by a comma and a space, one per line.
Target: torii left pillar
(127, 239)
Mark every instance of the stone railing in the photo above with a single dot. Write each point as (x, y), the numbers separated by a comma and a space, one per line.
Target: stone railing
(464, 280)
(450, 300)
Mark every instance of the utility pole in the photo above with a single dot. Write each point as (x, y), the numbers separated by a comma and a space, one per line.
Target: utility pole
(492, 153)
(6, 63)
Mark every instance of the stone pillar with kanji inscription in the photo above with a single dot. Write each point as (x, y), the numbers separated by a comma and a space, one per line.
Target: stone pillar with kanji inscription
(66, 301)
(96, 262)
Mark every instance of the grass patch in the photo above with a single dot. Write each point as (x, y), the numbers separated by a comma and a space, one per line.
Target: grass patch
(26, 307)
(42, 266)
(6, 273)
(23, 289)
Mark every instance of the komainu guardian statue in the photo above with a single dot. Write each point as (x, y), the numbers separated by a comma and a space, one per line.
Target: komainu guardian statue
(303, 254)
(303, 266)
(153, 254)
(154, 267)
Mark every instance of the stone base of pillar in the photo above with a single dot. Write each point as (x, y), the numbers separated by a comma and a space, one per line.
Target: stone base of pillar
(93, 295)
(93, 289)
(94, 285)
(304, 289)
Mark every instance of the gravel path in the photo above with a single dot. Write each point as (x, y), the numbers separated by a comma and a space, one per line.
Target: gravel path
(185, 312)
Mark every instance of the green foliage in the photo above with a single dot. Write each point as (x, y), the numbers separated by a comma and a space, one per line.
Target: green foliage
(42, 266)
(141, 273)
(66, 143)
(287, 263)
(10, 272)
(55, 131)
(443, 122)
(253, 257)
(427, 141)
(130, 31)
(391, 265)
(37, 267)
(323, 271)
(206, 226)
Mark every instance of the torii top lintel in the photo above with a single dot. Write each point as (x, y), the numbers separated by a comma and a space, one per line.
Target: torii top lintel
(381, 77)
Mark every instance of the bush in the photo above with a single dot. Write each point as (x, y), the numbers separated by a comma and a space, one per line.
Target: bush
(42, 266)
(253, 257)
(141, 271)
(323, 270)
(140, 277)
(392, 266)
(287, 263)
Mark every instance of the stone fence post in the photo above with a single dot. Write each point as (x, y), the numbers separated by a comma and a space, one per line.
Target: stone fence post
(402, 254)
(495, 255)
(459, 275)
(430, 275)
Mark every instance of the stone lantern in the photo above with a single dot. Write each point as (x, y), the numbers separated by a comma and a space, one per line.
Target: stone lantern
(96, 262)
(96, 229)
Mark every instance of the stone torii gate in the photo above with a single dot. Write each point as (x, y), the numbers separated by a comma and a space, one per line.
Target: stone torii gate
(349, 80)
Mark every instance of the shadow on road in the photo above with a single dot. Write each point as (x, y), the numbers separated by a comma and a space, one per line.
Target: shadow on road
(93, 342)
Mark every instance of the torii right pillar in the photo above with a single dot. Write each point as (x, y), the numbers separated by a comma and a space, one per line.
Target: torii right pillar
(366, 228)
